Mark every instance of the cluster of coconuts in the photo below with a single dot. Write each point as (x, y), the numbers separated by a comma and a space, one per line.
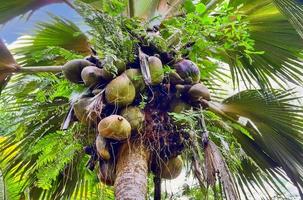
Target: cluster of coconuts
(119, 93)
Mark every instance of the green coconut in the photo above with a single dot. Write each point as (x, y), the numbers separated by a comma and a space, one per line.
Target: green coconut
(109, 71)
(177, 106)
(172, 168)
(91, 76)
(134, 116)
(156, 70)
(101, 147)
(136, 78)
(199, 91)
(72, 69)
(120, 65)
(120, 91)
(82, 112)
(114, 127)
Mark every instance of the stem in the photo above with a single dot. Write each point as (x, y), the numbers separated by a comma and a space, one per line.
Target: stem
(36, 69)
(131, 8)
(157, 184)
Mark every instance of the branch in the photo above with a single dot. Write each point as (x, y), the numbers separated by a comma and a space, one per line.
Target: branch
(37, 69)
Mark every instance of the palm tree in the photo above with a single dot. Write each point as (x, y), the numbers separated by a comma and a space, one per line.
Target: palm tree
(234, 146)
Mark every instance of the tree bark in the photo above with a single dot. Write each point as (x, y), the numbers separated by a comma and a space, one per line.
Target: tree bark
(131, 172)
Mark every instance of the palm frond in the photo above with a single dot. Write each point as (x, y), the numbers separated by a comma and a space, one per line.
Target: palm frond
(293, 10)
(275, 128)
(48, 42)
(276, 37)
(34, 145)
(13, 8)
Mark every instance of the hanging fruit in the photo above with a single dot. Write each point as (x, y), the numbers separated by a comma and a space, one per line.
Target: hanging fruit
(114, 127)
(102, 148)
(120, 91)
(83, 113)
(186, 72)
(136, 78)
(72, 69)
(172, 168)
(134, 116)
(199, 91)
(156, 70)
(91, 76)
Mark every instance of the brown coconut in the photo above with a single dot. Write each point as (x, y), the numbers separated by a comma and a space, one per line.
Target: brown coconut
(72, 69)
(199, 91)
(102, 148)
(82, 112)
(114, 127)
(107, 172)
(91, 76)
(134, 116)
(171, 169)
(120, 91)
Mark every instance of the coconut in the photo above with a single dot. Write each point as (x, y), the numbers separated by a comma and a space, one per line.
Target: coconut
(106, 75)
(102, 148)
(156, 70)
(120, 91)
(114, 127)
(109, 71)
(120, 65)
(188, 71)
(136, 78)
(107, 173)
(171, 169)
(177, 106)
(134, 116)
(91, 76)
(72, 69)
(199, 91)
(82, 111)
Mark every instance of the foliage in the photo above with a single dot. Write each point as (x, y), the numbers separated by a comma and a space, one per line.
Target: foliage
(256, 41)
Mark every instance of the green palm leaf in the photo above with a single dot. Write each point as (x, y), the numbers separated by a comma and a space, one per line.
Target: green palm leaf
(49, 40)
(276, 130)
(13, 8)
(282, 46)
(293, 10)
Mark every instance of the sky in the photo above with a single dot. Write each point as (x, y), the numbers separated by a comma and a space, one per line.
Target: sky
(20, 26)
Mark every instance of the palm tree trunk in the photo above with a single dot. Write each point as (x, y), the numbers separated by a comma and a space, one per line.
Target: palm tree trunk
(131, 172)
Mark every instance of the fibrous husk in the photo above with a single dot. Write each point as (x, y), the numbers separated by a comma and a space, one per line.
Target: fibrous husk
(136, 78)
(120, 91)
(91, 76)
(172, 168)
(102, 148)
(156, 70)
(134, 116)
(188, 71)
(72, 69)
(114, 127)
(83, 113)
(199, 91)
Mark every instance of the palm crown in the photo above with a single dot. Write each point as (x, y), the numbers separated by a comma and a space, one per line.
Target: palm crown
(257, 44)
